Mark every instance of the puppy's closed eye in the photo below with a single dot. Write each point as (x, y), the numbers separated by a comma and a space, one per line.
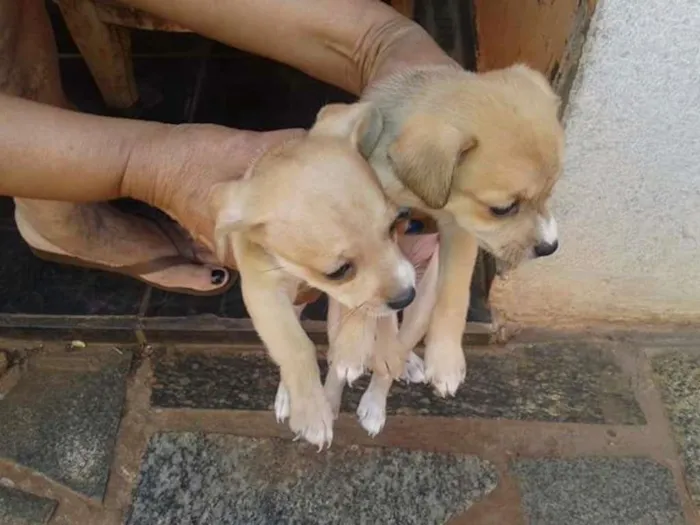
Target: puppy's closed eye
(506, 211)
(342, 272)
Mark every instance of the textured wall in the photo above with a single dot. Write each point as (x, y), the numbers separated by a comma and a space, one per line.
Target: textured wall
(628, 205)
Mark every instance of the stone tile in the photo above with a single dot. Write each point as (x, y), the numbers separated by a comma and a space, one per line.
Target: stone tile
(598, 491)
(678, 376)
(61, 419)
(22, 508)
(228, 480)
(242, 382)
(29, 285)
(557, 383)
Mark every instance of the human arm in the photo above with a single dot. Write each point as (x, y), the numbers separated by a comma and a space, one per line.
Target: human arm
(346, 43)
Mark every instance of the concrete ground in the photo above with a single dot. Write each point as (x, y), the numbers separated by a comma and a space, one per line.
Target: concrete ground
(599, 429)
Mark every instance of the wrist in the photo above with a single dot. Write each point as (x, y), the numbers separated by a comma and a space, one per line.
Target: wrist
(397, 46)
(143, 167)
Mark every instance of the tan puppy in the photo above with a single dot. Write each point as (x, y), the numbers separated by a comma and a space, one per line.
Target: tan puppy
(480, 153)
(312, 211)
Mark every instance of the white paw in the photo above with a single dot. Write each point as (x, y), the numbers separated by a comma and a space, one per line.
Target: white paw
(349, 372)
(414, 372)
(281, 403)
(311, 418)
(372, 413)
(445, 368)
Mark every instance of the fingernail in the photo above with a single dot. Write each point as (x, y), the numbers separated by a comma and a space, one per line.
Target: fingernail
(218, 276)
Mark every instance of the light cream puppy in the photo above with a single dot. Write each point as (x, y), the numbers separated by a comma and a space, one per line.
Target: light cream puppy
(311, 211)
(480, 153)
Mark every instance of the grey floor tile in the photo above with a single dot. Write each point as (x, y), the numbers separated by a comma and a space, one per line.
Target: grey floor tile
(22, 508)
(678, 376)
(598, 491)
(554, 383)
(62, 421)
(229, 480)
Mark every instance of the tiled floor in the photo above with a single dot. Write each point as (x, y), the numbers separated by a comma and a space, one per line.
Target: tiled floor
(567, 430)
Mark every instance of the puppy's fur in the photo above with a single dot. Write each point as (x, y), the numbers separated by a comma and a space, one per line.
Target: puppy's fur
(312, 211)
(480, 153)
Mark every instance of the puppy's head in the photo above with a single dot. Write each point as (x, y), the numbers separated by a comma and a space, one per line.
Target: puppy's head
(316, 207)
(487, 149)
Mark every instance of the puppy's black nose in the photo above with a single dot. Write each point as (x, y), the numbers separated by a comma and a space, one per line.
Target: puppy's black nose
(402, 300)
(545, 249)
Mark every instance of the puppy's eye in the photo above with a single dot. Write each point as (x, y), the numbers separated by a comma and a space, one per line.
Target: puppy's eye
(341, 272)
(506, 211)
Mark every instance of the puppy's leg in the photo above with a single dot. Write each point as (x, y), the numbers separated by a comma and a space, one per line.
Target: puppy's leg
(416, 319)
(445, 365)
(267, 298)
(351, 341)
(282, 396)
(372, 408)
(335, 384)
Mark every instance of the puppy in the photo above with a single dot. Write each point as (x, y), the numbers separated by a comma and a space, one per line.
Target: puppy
(480, 153)
(311, 211)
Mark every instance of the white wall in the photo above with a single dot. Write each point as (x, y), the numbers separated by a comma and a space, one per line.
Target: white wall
(628, 204)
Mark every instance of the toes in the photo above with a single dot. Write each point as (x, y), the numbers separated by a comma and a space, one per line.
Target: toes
(372, 414)
(190, 277)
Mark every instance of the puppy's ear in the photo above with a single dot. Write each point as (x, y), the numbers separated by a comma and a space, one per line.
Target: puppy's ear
(425, 156)
(361, 123)
(230, 206)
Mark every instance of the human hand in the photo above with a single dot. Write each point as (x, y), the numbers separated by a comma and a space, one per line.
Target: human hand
(176, 168)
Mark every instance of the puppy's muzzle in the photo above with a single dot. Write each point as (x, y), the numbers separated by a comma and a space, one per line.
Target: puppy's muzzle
(402, 299)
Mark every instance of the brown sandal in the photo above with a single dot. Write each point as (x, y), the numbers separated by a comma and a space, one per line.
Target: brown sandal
(137, 270)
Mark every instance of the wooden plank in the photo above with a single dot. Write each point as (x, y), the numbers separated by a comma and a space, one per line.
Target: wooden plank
(545, 34)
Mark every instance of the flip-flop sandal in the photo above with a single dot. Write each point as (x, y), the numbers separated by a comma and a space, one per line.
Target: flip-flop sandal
(137, 270)
(170, 229)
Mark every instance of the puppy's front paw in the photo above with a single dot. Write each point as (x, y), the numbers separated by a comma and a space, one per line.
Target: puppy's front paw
(281, 403)
(372, 412)
(414, 371)
(311, 418)
(445, 368)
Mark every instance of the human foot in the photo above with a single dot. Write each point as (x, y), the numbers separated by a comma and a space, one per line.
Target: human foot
(100, 236)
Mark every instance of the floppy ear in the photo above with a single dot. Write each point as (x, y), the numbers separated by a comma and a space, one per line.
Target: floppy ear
(233, 214)
(361, 123)
(425, 156)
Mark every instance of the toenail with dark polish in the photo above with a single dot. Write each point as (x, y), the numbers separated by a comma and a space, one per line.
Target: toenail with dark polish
(218, 276)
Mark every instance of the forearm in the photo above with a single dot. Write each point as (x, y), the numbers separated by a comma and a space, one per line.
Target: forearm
(347, 43)
(57, 154)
